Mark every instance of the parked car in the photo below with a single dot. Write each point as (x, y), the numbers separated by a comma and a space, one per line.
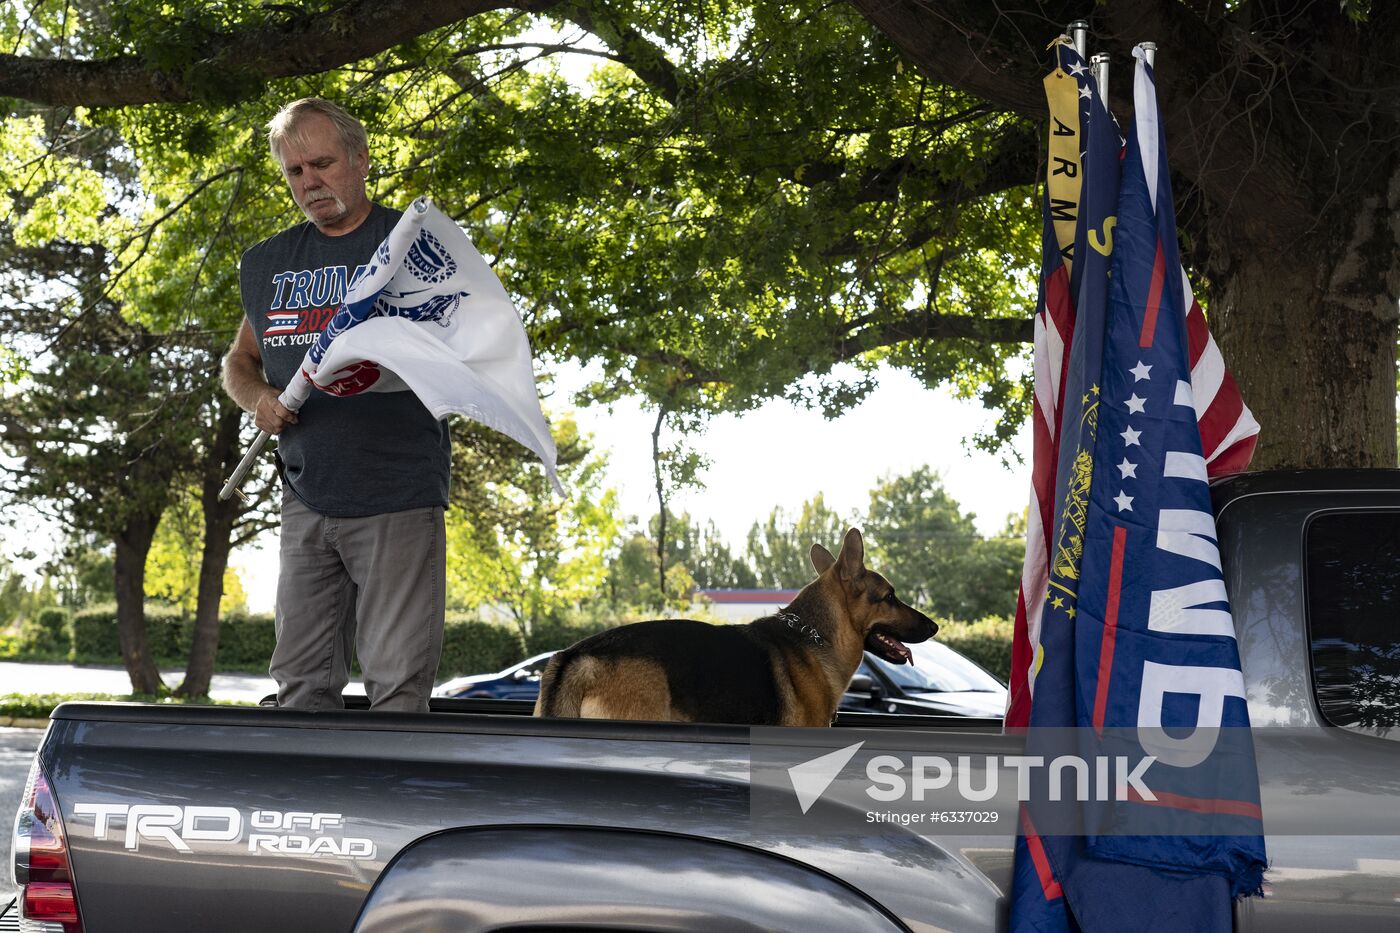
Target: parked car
(517, 682)
(938, 680)
(478, 817)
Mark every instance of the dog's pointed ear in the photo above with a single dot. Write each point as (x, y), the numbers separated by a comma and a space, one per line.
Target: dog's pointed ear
(852, 559)
(821, 559)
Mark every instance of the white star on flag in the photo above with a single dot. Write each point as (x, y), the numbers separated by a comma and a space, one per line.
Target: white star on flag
(1128, 469)
(1140, 371)
(1125, 502)
(1135, 404)
(1085, 92)
(1076, 69)
(1130, 437)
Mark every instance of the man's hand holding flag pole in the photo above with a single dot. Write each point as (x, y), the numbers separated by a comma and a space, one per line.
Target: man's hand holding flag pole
(427, 315)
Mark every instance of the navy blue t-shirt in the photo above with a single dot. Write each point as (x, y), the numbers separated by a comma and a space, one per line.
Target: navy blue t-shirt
(349, 455)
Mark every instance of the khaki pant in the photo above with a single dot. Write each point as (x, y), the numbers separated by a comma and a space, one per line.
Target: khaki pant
(374, 584)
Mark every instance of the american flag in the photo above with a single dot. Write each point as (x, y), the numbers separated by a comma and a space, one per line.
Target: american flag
(281, 322)
(1138, 650)
(1228, 429)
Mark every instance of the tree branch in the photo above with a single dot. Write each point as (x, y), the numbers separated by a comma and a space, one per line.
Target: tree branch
(1227, 134)
(644, 58)
(302, 43)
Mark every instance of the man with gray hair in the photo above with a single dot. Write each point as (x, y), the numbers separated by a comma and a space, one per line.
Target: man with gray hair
(364, 475)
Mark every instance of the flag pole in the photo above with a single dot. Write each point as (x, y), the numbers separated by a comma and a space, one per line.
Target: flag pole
(1098, 66)
(1149, 49)
(233, 482)
(1079, 35)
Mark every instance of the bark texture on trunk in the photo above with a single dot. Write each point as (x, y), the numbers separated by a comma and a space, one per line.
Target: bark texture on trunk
(129, 568)
(1309, 328)
(219, 519)
(1284, 144)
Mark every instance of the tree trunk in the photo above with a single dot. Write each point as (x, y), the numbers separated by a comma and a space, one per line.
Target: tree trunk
(661, 504)
(1308, 328)
(129, 569)
(219, 519)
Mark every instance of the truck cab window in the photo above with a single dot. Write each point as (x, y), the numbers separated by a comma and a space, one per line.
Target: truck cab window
(1353, 604)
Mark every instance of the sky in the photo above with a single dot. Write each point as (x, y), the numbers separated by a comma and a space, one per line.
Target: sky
(780, 455)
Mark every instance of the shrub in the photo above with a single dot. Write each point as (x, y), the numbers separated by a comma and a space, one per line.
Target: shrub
(471, 646)
(95, 634)
(562, 635)
(246, 642)
(986, 641)
(45, 634)
(475, 647)
(95, 638)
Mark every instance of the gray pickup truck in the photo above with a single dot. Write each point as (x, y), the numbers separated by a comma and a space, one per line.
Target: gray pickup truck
(478, 817)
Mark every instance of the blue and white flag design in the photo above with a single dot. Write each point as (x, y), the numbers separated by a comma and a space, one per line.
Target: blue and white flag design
(427, 314)
(1145, 659)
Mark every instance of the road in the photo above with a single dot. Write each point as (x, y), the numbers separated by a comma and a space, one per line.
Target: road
(66, 678)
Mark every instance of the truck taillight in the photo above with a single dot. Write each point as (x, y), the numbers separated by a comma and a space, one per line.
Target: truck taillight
(42, 871)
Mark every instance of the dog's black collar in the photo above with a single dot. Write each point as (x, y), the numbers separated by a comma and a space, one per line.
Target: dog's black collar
(795, 623)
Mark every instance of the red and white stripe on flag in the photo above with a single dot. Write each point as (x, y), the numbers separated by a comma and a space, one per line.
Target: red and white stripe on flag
(1228, 435)
(1054, 331)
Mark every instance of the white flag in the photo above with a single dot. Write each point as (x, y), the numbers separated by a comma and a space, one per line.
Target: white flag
(428, 314)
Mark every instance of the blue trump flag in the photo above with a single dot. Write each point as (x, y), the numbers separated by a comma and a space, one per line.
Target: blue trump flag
(1154, 669)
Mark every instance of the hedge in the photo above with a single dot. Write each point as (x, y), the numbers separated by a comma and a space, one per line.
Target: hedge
(470, 646)
(987, 641)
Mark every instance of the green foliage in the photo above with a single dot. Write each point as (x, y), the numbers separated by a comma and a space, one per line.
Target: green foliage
(40, 705)
(20, 599)
(697, 214)
(172, 565)
(512, 545)
(703, 552)
(470, 646)
(919, 538)
(473, 647)
(779, 550)
(95, 638)
(986, 641)
(46, 634)
(82, 574)
(696, 558)
(245, 642)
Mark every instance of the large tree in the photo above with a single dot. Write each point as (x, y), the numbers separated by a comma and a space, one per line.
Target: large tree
(742, 197)
(1284, 139)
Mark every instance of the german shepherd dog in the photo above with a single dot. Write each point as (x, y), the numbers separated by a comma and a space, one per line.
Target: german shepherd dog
(788, 669)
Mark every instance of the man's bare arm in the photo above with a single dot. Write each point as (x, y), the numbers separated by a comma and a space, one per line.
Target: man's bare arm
(244, 382)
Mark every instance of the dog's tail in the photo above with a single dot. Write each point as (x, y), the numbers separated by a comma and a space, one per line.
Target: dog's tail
(561, 696)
